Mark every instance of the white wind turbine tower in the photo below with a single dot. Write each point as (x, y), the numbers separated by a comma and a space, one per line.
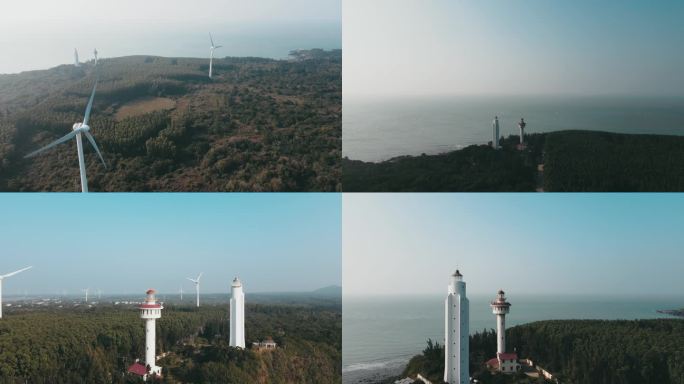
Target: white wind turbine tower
(86, 294)
(76, 63)
(197, 285)
(95, 54)
(2, 277)
(181, 293)
(79, 129)
(211, 54)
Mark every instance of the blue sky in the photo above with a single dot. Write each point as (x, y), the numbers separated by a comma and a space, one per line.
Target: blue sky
(609, 244)
(126, 243)
(513, 47)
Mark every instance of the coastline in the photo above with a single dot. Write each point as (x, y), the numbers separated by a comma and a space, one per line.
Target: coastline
(559, 161)
(385, 369)
(672, 312)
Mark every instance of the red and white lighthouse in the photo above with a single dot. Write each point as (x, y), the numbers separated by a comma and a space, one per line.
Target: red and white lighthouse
(500, 307)
(150, 311)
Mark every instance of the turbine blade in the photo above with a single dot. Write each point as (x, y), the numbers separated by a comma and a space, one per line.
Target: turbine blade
(200, 275)
(92, 141)
(211, 39)
(56, 142)
(90, 104)
(193, 280)
(218, 46)
(15, 272)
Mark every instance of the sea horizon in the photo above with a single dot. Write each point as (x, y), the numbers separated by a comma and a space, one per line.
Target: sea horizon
(274, 40)
(382, 332)
(378, 129)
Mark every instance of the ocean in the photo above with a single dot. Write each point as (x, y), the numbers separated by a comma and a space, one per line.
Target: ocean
(377, 129)
(380, 334)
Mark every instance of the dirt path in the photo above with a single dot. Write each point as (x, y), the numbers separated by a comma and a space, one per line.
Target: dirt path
(540, 178)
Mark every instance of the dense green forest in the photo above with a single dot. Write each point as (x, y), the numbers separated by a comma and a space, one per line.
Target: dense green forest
(574, 161)
(97, 345)
(582, 161)
(576, 351)
(430, 363)
(477, 168)
(163, 125)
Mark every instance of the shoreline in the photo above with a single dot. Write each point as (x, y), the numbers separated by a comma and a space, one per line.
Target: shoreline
(557, 161)
(679, 313)
(461, 147)
(391, 370)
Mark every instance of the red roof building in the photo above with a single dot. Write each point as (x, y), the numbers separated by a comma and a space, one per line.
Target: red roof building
(138, 369)
(504, 362)
(507, 356)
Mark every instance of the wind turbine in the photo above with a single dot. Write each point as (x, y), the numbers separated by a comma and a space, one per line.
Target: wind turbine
(99, 294)
(76, 63)
(95, 54)
(2, 277)
(181, 293)
(211, 54)
(78, 130)
(86, 293)
(197, 284)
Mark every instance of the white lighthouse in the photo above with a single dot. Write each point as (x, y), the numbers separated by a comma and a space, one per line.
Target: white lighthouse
(150, 311)
(237, 314)
(500, 308)
(495, 133)
(521, 125)
(456, 342)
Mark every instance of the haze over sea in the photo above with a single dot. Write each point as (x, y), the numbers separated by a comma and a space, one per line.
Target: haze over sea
(44, 49)
(382, 333)
(377, 129)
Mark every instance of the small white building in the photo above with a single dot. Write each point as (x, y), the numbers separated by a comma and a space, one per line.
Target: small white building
(505, 363)
(265, 344)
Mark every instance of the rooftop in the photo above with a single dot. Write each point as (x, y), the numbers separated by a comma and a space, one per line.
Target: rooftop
(507, 356)
(138, 369)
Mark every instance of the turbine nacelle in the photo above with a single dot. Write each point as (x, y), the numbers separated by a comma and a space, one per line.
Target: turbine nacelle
(77, 129)
(80, 127)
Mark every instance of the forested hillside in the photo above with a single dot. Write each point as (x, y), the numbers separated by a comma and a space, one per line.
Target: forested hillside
(584, 161)
(573, 161)
(163, 125)
(605, 352)
(476, 168)
(97, 345)
(577, 351)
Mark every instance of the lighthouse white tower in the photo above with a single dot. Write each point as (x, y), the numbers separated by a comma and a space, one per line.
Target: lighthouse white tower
(521, 125)
(500, 307)
(237, 314)
(456, 342)
(495, 133)
(150, 311)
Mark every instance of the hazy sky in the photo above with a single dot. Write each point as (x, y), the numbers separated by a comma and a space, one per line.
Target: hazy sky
(412, 47)
(37, 34)
(127, 243)
(609, 244)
